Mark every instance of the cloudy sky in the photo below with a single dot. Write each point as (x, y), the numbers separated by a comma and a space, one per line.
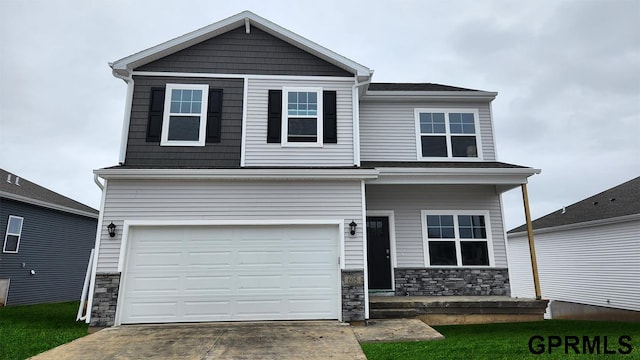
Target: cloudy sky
(567, 73)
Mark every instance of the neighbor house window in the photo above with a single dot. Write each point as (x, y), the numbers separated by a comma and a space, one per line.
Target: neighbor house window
(456, 239)
(447, 133)
(12, 235)
(185, 115)
(302, 116)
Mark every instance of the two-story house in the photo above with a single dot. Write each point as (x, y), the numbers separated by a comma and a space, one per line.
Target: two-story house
(263, 177)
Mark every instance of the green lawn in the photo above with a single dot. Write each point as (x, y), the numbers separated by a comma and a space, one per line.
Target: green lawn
(511, 341)
(29, 330)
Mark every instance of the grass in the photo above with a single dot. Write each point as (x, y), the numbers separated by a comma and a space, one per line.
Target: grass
(510, 341)
(31, 329)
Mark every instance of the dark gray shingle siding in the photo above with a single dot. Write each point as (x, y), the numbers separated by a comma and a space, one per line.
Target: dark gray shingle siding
(596, 207)
(223, 154)
(55, 244)
(236, 52)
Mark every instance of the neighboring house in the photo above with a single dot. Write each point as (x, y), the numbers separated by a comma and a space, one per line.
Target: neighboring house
(265, 177)
(588, 257)
(46, 242)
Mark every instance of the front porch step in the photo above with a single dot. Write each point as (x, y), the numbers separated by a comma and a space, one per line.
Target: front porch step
(393, 313)
(454, 308)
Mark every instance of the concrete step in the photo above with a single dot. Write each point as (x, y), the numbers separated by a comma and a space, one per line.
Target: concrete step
(393, 313)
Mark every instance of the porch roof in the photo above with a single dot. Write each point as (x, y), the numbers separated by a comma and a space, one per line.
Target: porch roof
(504, 176)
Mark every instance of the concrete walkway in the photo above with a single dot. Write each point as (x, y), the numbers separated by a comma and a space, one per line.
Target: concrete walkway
(240, 340)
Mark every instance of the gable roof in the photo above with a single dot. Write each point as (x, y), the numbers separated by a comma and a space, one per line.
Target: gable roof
(124, 66)
(25, 191)
(620, 200)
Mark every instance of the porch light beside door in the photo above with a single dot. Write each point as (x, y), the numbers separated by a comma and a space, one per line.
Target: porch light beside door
(353, 226)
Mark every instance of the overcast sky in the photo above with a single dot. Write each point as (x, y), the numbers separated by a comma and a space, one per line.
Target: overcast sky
(567, 74)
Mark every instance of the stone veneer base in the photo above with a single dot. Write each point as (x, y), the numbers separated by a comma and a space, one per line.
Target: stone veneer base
(454, 281)
(105, 299)
(353, 299)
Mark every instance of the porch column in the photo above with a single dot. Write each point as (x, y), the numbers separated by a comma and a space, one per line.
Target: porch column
(532, 247)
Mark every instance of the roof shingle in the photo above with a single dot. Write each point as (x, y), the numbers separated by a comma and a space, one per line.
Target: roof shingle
(33, 191)
(620, 200)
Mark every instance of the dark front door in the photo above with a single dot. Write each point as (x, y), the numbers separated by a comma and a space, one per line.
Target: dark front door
(379, 253)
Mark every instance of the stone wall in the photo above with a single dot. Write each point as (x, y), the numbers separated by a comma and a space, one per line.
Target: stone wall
(353, 300)
(445, 281)
(105, 299)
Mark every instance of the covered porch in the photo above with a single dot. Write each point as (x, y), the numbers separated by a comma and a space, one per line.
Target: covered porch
(436, 244)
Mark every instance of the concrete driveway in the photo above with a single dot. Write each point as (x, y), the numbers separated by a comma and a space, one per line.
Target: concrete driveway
(253, 340)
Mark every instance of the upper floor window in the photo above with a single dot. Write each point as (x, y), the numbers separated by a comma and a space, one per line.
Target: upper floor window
(185, 115)
(443, 133)
(12, 235)
(302, 120)
(456, 239)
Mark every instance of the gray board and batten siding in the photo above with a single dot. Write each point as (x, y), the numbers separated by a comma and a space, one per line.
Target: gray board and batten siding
(226, 153)
(55, 244)
(236, 52)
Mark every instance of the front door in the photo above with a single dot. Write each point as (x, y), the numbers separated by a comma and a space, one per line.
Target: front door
(378, 253)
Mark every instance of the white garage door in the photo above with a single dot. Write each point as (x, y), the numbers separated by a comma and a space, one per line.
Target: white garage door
(221, 273)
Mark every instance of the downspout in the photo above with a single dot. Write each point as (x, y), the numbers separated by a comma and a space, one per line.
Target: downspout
(127, 113)
(96, 251)
(355, 94)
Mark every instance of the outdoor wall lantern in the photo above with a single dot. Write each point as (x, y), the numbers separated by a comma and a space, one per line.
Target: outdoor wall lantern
(353, 226)
(112, 229)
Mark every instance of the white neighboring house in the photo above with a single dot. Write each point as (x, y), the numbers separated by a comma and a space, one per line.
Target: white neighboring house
(588, 257)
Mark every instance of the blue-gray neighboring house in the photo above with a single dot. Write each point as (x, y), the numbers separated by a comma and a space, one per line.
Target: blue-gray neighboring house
(46, 242)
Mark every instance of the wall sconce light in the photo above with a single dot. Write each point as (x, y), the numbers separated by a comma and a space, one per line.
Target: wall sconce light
(353, 226)
(112, 229)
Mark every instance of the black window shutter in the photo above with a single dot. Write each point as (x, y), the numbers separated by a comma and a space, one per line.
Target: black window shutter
(274, 116)
(330, 128)
(214, 116)
(156, 109)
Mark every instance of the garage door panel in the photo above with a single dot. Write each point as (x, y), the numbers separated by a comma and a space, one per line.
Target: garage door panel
(222, 283)
(222, 273)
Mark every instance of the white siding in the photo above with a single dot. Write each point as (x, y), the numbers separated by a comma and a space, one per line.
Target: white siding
(588, 265)
(408, 200)
(520, 273)
(240, 200)
(259, 153)
(388, 129)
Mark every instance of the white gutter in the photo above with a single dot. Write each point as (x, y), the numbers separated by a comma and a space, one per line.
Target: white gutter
(96, 253)
(97, 181)
(579, 225)
(239, 174)
(127, 113)
(47, 205)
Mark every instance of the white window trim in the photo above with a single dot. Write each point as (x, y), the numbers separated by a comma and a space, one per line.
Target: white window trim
(18, 234)
(167, 113)
(285, 115)
(457, 240)
(447, 135)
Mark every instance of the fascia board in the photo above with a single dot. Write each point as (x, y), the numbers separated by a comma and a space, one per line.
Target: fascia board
(239, 174)
(47, 205)
(430, 95)
(182, 42)
(494, 176)
(580, 225)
